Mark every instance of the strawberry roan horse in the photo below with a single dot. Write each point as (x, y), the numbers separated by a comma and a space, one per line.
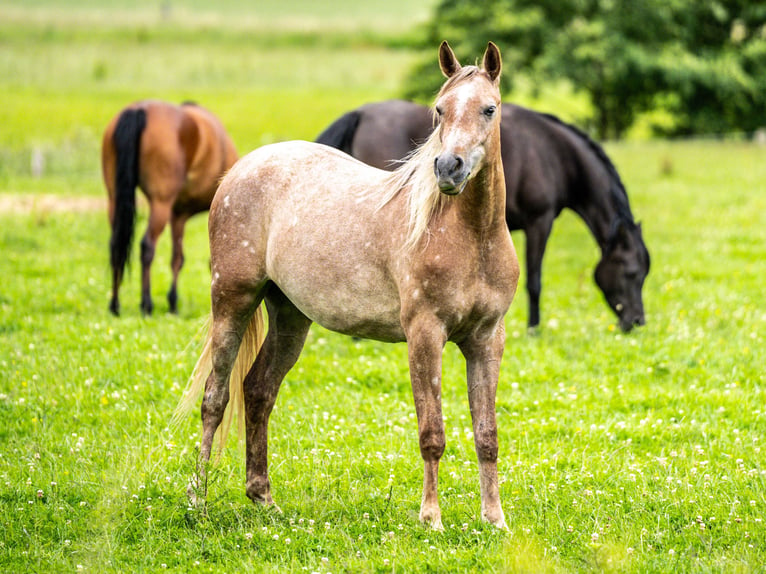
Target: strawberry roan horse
(177, 155)
(421, 255)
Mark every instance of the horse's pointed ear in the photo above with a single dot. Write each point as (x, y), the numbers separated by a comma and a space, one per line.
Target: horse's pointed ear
(493, 63)
(447, 60)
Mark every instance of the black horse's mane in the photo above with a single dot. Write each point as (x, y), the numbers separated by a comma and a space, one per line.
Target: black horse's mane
(618, 192)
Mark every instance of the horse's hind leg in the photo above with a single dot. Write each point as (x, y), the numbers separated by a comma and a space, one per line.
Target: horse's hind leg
(159, 214)
(177, 223)
(230, 318)
(288, 328)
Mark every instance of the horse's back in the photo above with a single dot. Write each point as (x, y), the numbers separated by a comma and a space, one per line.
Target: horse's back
(208, 150)
(304, 216)
(546, 163)
(388, 131)
(184, 151)
(296, 176)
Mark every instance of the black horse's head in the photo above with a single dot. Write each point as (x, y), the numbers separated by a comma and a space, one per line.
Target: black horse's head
(621, 272)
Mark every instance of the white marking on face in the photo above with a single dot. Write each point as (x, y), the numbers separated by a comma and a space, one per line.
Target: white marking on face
(245, 243)
(226, 200)
(458, 139)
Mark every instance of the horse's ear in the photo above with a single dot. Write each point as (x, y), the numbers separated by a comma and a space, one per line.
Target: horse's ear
(493, 63)
(447, 60)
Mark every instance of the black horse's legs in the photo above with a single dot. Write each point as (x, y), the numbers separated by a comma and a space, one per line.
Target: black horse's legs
(288, 328)
(158, 217)
(177, 223)
(537, 236)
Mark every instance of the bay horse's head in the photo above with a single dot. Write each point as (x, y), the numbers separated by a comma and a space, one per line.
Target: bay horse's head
(468, 112)
(621, 272)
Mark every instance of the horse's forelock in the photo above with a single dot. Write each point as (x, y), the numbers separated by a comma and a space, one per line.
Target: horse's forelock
(465, 73)
(416, 174)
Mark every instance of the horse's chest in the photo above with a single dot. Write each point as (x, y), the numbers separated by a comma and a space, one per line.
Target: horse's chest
(462, 295)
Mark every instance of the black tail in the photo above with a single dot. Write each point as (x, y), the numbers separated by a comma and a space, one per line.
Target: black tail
(127, 141)
(340, 133)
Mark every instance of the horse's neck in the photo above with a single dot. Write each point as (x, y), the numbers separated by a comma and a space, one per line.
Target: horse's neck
(597, 211)
(483, 205)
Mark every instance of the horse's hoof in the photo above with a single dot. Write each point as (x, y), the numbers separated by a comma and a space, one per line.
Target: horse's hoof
(193, 494)
(196, 491)
(432, 520)
(497, 520)
(266, 502)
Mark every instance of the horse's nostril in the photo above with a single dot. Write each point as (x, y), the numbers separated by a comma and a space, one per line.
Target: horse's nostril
(458, 164)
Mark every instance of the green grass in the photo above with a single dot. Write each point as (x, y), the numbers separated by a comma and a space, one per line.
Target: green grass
(615, 449)
(619, 453)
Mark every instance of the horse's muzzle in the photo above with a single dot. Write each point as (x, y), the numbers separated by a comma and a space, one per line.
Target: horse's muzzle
(451, 173)
(627, 322)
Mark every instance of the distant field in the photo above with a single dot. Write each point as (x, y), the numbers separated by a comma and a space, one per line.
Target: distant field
(393, 15)
(634, 453)
(281, 71)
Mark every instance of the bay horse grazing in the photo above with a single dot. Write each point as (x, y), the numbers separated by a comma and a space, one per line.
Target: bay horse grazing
(176, 155)
(421, 255)
(549, 165)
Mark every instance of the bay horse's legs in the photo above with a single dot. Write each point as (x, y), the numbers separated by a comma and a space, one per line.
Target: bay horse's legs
(177, 223)
(483, 355)
(114, 304)
(426, 338)
(537, 237)
(288, 328)
(159, 213)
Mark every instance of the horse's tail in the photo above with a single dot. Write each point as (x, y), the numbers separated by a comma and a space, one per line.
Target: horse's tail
(340, 133)
(127, 142)
(248, 350)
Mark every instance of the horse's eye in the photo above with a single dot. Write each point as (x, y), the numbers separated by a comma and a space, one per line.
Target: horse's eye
(439, 111)
(490, 111)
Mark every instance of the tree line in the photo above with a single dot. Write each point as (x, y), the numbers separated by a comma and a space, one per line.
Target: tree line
(701, 61)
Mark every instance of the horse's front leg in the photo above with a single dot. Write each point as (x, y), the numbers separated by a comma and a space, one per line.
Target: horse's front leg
(425, 343)
(483, 353)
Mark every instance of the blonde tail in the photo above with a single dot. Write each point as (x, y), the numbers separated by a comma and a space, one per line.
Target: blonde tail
(248, 350)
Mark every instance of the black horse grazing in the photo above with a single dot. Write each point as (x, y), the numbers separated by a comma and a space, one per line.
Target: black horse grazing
(549, 165)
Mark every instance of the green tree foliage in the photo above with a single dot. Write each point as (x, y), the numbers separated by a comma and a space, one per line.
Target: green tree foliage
(704, 61)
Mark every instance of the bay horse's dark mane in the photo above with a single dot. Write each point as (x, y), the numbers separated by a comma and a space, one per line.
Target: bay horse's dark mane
(617, 191)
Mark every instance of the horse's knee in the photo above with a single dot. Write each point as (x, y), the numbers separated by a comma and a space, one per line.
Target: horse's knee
(485, 440)
(432, 443)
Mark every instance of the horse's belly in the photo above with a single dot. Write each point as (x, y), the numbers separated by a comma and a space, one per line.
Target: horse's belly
(350, 308)
(354, 299)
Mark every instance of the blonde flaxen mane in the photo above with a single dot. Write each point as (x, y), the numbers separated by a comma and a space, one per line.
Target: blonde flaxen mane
(416, 176)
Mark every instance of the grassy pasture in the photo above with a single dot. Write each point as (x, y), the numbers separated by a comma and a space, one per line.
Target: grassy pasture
(624, 453)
